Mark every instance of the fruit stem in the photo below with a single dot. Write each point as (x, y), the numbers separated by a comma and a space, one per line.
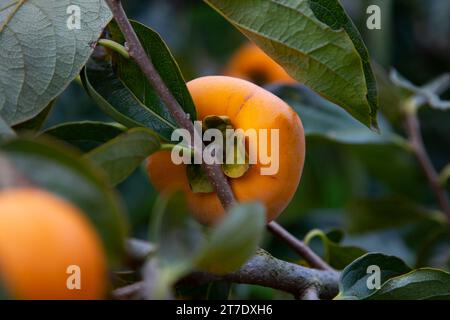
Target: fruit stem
(116, 47)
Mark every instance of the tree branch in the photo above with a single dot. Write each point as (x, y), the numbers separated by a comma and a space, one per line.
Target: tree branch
(214, 172)
(264, 270)
(417, 144)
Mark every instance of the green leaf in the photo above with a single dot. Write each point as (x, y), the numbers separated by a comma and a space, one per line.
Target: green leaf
(85, 135)
(123, 154)
(165, 64)
(419, 284)
(177, 235)
(317, 44)
(52, 166)
(234, 241)
(119, 103)
(323, 120)
(364, 215)
(36, 123)
(40, 54)
(353, 282)
(338, 256)
(445, 175)
(5, 131)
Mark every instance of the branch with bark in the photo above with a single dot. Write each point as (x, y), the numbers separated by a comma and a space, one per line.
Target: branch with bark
(262, 269)
(214, 172)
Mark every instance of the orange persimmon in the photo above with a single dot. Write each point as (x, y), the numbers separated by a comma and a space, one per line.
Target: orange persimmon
(41, 235)
(249, 62)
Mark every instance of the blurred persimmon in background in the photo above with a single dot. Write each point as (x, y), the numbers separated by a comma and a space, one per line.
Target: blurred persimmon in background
(249, 62)
(41, 237)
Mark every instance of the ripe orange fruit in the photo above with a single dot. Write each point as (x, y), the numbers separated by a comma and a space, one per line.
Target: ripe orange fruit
(248, 107)
(252, 64)
(42, 235)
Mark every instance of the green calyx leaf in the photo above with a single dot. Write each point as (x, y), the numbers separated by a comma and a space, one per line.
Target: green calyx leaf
(198, 179)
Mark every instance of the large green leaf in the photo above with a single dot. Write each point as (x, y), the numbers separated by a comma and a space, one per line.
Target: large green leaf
(85, 135)
(123, 154)
(116, 100)
(353, 283)
(39, 54)
(323, 120)
(234, 241)
(418, 284)
(132, 76)
(5, 130)
(36, 123)
(445, 175)
(52, 166)
(337, 255)
(317, 44)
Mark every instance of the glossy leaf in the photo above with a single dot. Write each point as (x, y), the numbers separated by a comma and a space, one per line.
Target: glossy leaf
(120, 156)
(56, 168)
(419, 284)
(85, 135)
(317, 44)
(116, 100)
(353, 282)
(234, 241)
(40, 54)
(136, 81)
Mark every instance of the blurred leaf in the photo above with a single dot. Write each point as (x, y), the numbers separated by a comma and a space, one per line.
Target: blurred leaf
(336, 255)
(117, 101)
(419, 284)
(353, 283)
(40, 54)
(402, 176)
(322, 119)
(328, 55)
(219, 290)
(364, 215)
(5, 131)
(56, 168)
(85, 135)
(234, 240)
(120, 156)
(36, 123)
(133, 78)
(445, 175)
(177, 235)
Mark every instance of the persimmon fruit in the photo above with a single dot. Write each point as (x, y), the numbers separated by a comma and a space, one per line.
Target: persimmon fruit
(41, 235)
(249, 62)
(248, 107)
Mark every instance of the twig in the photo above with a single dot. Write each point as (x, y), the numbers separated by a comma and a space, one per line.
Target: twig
(417, 144)
(265, 270)
(214, 172)
(298, 246)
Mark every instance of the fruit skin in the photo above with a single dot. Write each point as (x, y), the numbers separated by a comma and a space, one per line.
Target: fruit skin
(251, 63)
(40, 236)
(247, 106)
